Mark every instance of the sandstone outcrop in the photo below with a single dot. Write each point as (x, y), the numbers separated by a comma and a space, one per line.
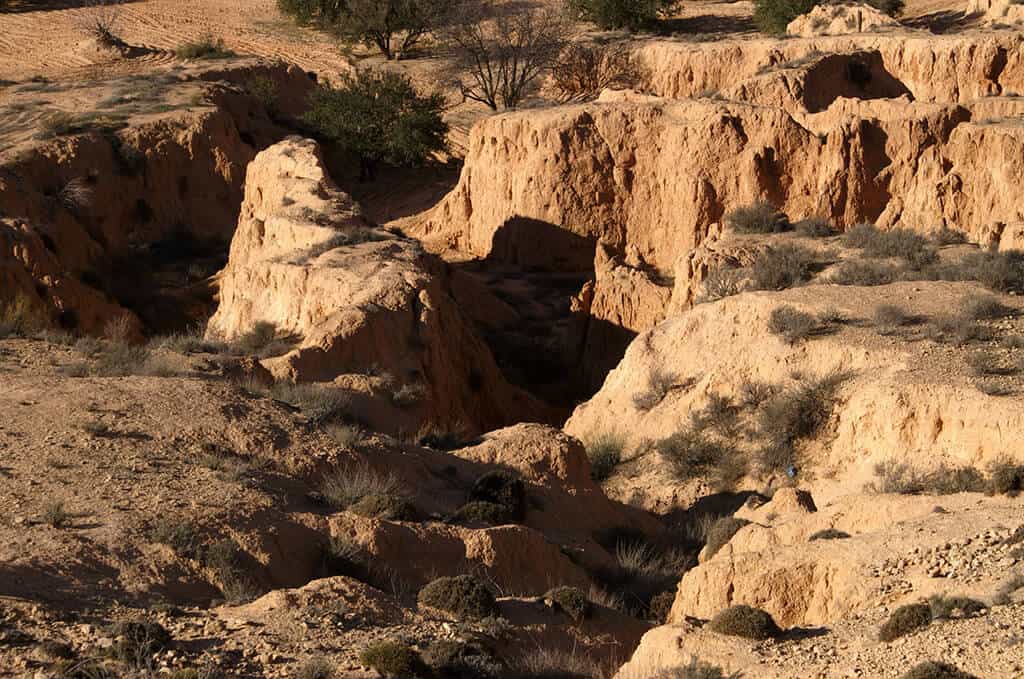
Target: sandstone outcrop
(840, 19)
(356, 299)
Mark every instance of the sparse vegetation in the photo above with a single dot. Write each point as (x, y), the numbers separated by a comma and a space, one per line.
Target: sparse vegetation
(260, 340)
(721, 532)
(136, 641)
(20, 317)
(865, 273)
(502, 488)
(571, 600)
(583, 70)
(745, 621)
(905, 620)
(659, 382)
(761, 217)
(462, 596)
(989, 363)
(499, 56)
(206, 47)
(345, 487)
(616, 14)
(98, 20)
(380, 118)
(388, 507)
(911, 247)
(181, 536)
(55, 515)
(695, 670)
(605, 453)
(944, 607)
(792, 324)
(936, 670)
(693, 454)
(983, 307)
(815, 227)
(315, 668)
(721, 283)
(488, 513)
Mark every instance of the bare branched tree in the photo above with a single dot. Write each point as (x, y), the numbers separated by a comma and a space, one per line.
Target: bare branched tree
(98, 19)
(583, 70)
(500, 55)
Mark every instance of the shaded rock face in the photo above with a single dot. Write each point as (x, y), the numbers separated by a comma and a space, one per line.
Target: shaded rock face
(356, 299)
(97, 213)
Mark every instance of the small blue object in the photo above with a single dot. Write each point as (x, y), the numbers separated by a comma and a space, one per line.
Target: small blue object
(791, 471)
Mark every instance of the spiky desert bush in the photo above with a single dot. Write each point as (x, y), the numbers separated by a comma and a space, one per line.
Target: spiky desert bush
(745, 621)
(761, 217)
(572, 601)
(605, 453)
(462, 596)
(721, 532)
(792, 324)
(345, 487)
(905, 620)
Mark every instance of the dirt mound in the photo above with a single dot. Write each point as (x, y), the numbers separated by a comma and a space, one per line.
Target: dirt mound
(840, 20)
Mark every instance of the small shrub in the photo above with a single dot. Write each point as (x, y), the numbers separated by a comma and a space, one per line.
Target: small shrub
(721, 532)
(693, 454)
(556, 663)
(999, 271)
(719, 414)
(993, 388)
(572, 601)
(391, 659)
(490, 513)
(20, 317)
(988, 363)
(55, 515)
(205, 47)
(792, 324)
(935, 670)
(605, 453)
(1004, 595)
(1006, 477)
(388, 507)
(180, 536)
(319, 403)
(903, 244)
(659, 383)
(615, 14)
(958, 330)
(753, 394)
(903, 479)
(829, 534)
(815, 227)
(891, 316)
(983, 307)
(947, 236)
(773, 16)
(462, 596)
(345, 487)
(865, 273)
(136, 641)
(258, 339)
(761, 217)
(905, 620)
(315, 668)
(502, 488)
(719, 284)
(460, 660)
(695, 670)
(782, 267)
(944, 607)
(745, 621)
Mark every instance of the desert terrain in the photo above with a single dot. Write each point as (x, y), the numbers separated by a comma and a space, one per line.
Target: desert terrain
(587, 340)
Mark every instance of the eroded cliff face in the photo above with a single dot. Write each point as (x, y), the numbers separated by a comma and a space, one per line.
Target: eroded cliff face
(357, 300)
(92, 210)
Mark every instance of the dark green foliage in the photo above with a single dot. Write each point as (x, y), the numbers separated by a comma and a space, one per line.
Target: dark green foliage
(460, 660)
(379, 117)
(614, 14)
(954, 606)
(814, 227)
(392, 26)
(489, 513)
(745, 621)
(501, 488)
(782, 267)
(136, 641)
(391, 659)
(829, 534)
(384, 506)
(795, 414)
(903, 244)
(312, 11)
(462, 596)
(761, 217)
(772, 16)
(572, 601)
(904, 620)
(936, 670)
(792, 324)
(721, 532)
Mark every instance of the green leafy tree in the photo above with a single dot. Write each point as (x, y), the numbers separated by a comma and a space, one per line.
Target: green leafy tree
(379, 117)
(772, 16)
